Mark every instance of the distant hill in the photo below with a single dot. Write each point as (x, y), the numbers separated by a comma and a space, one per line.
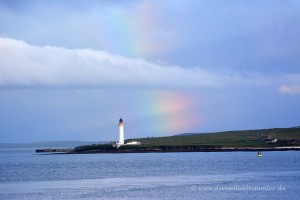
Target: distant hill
(228, 138)
(189, 134)
(49, 144)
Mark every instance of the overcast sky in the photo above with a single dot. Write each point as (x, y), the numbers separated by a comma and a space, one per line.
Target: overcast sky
(70, 69)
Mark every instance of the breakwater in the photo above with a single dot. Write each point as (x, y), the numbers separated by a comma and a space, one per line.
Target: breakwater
(54, 150)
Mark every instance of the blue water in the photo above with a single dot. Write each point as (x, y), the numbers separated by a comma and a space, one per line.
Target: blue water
(215, 175)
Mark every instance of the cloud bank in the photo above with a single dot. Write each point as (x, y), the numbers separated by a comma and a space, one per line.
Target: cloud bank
(26, 65)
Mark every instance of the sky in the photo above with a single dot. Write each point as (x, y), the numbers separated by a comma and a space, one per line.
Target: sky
(70, 69)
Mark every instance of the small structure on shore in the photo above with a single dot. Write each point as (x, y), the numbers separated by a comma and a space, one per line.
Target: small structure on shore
(121, 136)
(269, 137)
(133, 143)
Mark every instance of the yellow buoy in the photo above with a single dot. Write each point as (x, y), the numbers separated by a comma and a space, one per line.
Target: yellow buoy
(259, 154)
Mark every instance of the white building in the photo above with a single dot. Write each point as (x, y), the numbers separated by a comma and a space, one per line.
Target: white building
(133, 143)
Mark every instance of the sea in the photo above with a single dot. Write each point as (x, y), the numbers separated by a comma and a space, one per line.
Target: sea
(196, 175)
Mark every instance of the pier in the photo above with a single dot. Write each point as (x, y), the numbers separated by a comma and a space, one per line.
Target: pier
(54, 150)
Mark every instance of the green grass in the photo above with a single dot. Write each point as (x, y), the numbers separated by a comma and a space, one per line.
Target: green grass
(248, 138)
(231, 138)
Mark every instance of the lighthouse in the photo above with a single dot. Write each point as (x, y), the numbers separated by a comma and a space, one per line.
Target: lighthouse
(121, 132)
(121, 137)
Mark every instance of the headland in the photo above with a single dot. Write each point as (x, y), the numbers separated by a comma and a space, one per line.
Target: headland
(277, 139)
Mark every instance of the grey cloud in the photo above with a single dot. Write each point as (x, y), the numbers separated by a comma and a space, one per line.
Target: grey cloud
(22, 64)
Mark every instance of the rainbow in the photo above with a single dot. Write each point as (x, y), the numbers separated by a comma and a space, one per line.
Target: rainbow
(135, 32)
(149, 112)
(172, 110)
(162, 112)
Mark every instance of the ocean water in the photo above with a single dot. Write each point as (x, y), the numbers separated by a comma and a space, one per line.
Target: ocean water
(208, 175)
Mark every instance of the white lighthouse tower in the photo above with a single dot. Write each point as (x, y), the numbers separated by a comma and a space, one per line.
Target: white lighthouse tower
(121, 137)
(121, 132)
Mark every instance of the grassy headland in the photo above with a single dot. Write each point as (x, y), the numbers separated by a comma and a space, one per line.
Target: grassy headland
(248, 139)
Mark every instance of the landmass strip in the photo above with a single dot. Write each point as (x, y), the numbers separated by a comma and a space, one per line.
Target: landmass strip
(276, 139)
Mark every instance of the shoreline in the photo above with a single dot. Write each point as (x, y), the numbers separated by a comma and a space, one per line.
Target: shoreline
(225, 149)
